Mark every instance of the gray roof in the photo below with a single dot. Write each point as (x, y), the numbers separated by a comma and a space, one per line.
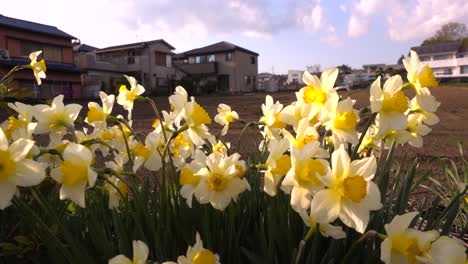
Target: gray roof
(437, 48)
(32, 26)
(135, 45)
(84, 48)
(222, 46)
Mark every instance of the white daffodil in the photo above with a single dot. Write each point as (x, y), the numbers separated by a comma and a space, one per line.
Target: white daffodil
(271, 118)
(148, 154)
(302, 180)
(39, 67)
(56, 118)
(350, 195)
(317, 92)
(178, 100)
(406, 245)
(390, 103)
(225, 116)
(305, 134)
(16, 169)
(188, 177)
(21, 126)
(96, 114)
(417, 130)
(140, 254)
(219, 184)
(197, 255)
(127, 97)
(75, 173)
(182, 148)
(326, 229)
(292, 114)
(448, 251)
(419, 75)
(115, 195)
(278, 164)
(196, 119)
(370, 142)
(341, 118)
(424, 105)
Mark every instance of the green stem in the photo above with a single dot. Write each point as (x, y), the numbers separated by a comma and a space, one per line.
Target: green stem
(303, 243)
(364, 237)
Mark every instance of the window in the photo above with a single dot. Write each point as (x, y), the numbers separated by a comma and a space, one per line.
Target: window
(228, 56)
(464, 69)
(211, 58)
(28, 47)
(197, 59)
(425, 58)
(185, 61)
(443, 57)
(159, 58)
(49, 53)
(252, 59)
(460, 55)
(131, 60)
(247, 79)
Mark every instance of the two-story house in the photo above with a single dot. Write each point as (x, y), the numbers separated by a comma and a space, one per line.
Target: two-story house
(148, 61)
(448, 60)
(220, 67)
(18, 38)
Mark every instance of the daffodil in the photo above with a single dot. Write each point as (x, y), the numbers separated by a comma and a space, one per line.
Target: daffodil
(22, 125)
(56, 118)
(39, 67)
(219, 184)
(317, 92)
(305, 134)
(448, 251)
(225, 116)
(271, 118)
(75, 173)
(292, 114)
(417, 130)
(149, 153)
(196, 119)
(419, 75)
(115, 195)
(278, 164)
(350, 194)
(178, 100)
(326, 229)
(16, 169)
(97, 114)
(308, 165)
(140, 255)
(127, 97)
(390, 103)
(197, 255)
(188, 177)
(341, 119)
(404, 244)
(424, 106)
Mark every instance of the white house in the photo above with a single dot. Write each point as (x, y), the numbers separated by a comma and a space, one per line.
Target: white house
(447, 60)
(294, 77)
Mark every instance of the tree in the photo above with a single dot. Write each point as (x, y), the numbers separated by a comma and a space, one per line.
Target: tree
(400, 60)
(450, 32)
(315, 68)
(344, 68)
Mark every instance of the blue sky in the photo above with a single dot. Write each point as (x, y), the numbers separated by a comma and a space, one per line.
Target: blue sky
(287, 34)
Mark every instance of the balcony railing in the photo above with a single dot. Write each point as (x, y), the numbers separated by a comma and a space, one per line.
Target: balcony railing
(198, 69)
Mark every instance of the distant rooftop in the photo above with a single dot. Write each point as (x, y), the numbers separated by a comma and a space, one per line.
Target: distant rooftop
(84, 48)
(134, 45)
(33, 26)
(438, 48)
(222, 46)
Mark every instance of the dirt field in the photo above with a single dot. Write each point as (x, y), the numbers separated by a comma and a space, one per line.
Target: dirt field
(453, 114)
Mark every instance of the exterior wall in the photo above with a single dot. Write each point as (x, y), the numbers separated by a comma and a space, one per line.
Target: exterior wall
(447, 65)
(294, 76)
(244, 68)
(227, 68)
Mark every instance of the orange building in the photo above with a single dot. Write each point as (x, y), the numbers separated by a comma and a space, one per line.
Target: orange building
(18, 38)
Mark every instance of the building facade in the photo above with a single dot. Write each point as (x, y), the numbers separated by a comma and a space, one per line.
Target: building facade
(18, 38)
(294, 77)
(150, 62)
(446, 60)
(220, 67)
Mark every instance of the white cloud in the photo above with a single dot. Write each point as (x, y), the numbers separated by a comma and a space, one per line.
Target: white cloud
(311, 19)
(343, 8)
(368, 7)
(332, 38)
(357, 26)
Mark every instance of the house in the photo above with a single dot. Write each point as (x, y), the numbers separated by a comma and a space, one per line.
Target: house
(447, 60)
(150, 62)
(222, 66)
(372, 69)
(18, 38)
(294, 77)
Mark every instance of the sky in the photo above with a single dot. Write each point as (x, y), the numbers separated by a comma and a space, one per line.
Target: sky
(288, 35)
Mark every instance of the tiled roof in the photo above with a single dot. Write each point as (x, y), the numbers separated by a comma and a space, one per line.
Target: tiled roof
(50, 66)
(437, 48)
(32, 26)
(136, 45)
(222, 46)
(84, 48)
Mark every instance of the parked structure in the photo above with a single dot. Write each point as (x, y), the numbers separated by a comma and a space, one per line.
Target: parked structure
(150, 62)
(222, 66)
(447, 60)
(18, 38)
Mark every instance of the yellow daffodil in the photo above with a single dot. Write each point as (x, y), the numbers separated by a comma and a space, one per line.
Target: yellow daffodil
(140, 255)
(308, 165)
(219, 184)
(448, 251)
(225, 116)
(56, 118)
(278, 164)
(350, 194)
(39, 67)
(127, 97)
(197, 255)
(75, 173)
(390, 103)
(16, 169)
(326, 229)
(341, 119)
(317, 92)
(97, 114)
(419, 75)
(406, 245)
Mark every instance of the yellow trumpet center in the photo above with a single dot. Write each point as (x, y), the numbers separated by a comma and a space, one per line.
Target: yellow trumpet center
(427, 78)
(307, 172)
(204, 257)
(200, 116)
(142, 151)
(187, 177)
(395, 103)
(354, 188)
(7, 165)
(96, 115)
(73, 172)
(314, 95)
(283, 165)
(347, 121)
(217, 182)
